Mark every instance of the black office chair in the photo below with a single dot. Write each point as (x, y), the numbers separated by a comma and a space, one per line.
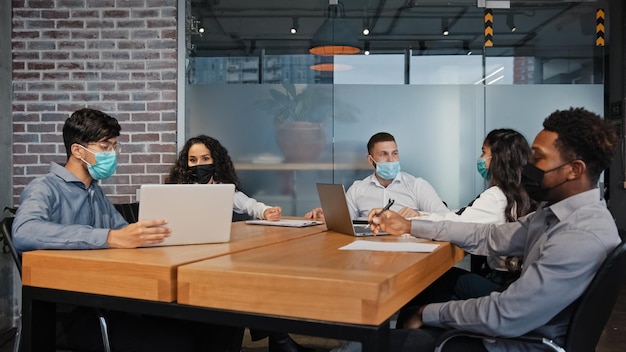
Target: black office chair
(592, 311)
(241, 217)
(478, 264)
(6, 230)
(130, 211)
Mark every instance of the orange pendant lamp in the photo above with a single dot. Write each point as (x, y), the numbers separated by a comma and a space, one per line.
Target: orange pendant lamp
(335, 36)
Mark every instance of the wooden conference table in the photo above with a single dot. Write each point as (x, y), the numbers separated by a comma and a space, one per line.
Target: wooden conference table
(267, 277)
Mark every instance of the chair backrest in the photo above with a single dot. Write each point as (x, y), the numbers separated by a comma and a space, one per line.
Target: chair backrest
(7, 224)
(241, 217)
(130, 211)
(595, 305)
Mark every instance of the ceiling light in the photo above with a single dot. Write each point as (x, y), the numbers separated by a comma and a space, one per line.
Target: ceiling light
(366, 24)
(335, 36)
(328, 67)
(366, 49)
(510, 21)
(444, 26)
(466, 48)
(194, 26)
(294, 26)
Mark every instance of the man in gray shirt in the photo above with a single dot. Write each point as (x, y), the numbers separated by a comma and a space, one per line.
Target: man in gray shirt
(563, 243)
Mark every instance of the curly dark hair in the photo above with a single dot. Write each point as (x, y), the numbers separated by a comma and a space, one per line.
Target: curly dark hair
(585, 136)
(224, 169)
(509, 153)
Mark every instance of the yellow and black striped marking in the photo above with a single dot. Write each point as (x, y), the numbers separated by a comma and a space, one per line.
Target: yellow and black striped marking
(600, 27)
(488, 27)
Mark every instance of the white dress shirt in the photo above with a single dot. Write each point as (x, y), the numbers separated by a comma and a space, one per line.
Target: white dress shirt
(244, 204)
(407, 191)
(487, 208)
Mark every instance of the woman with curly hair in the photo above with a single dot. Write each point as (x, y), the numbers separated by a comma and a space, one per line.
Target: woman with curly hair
(204, 160)
(504, 154)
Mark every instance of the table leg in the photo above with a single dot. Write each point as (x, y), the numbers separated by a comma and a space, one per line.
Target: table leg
(38, 324)
(377, 342)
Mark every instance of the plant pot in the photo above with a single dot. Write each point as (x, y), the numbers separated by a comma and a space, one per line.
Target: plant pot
(300, 141)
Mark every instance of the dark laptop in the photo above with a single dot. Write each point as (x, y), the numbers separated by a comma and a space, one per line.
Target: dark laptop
(335, 207)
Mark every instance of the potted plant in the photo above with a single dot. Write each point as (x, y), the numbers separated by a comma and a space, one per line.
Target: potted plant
(299, 116)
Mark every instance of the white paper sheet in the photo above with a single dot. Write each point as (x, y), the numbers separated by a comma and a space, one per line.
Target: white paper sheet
(285, 222)
(362, 245)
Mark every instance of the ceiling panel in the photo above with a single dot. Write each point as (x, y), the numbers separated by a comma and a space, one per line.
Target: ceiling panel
(245, 27)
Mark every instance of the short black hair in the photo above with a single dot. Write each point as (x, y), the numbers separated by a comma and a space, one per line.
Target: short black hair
(88, 126)
(584, 135)
(379, 137)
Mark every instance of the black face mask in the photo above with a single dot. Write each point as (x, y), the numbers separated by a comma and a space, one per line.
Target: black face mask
(202, 173)
(532, 177)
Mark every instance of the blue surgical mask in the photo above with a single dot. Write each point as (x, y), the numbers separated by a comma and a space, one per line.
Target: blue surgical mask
(481, 166)
(388, 170)
(106, 163)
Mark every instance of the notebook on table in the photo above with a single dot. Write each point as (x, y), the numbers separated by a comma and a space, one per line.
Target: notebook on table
(336, 212)
(196, 213)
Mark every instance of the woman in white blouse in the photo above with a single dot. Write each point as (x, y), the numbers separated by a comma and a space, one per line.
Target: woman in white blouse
(504, 154)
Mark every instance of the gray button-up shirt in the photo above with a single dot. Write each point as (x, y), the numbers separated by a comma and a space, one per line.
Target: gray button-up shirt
(563, 245)
(57, 211)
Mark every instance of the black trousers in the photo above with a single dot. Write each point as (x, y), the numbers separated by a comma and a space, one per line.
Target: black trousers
(455, 284)
(78, 329)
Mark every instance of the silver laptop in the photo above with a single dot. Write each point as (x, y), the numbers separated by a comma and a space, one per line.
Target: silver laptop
(336, 212)
(196, 213)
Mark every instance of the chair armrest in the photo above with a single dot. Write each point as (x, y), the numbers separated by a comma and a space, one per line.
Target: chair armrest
(528, 338)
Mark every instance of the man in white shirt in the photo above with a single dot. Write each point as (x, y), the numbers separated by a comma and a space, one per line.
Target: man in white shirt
(388, 182)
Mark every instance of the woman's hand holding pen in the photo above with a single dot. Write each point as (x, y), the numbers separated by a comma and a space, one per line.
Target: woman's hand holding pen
(272, 214)
(388, 221)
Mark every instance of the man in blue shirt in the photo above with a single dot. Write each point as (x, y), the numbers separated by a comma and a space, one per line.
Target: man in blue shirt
(67, 209)
(563, 243)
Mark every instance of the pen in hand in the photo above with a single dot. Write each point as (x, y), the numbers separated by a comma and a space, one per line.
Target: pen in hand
(389, 204)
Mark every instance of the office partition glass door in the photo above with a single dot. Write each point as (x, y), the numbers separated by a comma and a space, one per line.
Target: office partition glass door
(288, 126)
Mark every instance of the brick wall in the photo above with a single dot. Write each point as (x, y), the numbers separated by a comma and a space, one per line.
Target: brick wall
(118, 56)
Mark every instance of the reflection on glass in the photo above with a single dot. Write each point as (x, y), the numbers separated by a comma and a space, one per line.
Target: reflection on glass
(437, 100)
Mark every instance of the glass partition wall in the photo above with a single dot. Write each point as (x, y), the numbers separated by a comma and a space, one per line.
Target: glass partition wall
(291, 118)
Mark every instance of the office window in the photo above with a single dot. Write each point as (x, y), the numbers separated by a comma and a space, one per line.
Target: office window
(438, 94)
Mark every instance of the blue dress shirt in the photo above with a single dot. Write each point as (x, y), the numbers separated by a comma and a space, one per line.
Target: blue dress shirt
(57, 211)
